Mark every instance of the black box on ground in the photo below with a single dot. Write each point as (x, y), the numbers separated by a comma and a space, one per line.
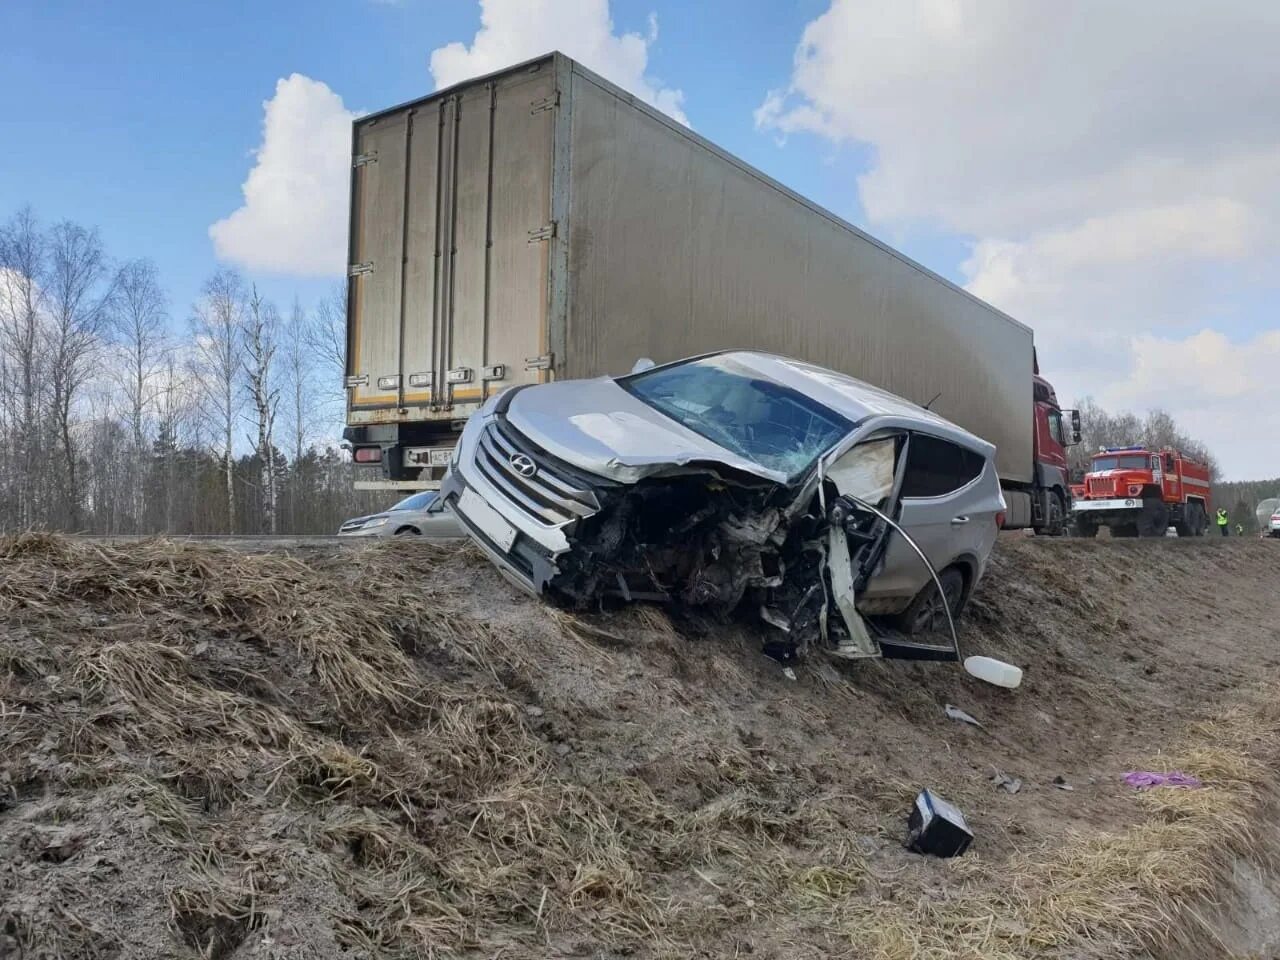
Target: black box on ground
(937, 827)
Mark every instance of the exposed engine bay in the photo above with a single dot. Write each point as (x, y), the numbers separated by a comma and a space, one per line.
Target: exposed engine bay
(711, 542)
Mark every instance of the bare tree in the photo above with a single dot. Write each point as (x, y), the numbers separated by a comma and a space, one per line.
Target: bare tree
(298, 363)
(173, 405)
(327, 338)
(261, 325)
(23, 257)
(217, 352)
(140, 325)
(297, 368)
(79, 288)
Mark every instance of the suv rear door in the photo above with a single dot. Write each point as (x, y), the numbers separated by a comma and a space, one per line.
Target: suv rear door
(944, 508)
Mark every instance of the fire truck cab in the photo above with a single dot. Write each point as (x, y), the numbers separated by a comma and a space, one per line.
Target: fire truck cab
(1138, 492)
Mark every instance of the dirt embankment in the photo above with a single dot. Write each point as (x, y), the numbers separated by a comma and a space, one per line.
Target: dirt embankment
(386, 753)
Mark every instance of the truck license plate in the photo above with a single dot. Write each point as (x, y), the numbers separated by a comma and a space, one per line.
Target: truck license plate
(427, 456)
(487, 519)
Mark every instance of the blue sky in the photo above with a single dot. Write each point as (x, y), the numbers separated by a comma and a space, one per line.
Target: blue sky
(1069, 163)
(140, 117)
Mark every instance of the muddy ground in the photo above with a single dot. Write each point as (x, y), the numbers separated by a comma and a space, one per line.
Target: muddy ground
(386, 752)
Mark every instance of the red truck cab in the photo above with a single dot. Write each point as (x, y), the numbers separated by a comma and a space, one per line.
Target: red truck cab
(1138, 492)
(1055, 430)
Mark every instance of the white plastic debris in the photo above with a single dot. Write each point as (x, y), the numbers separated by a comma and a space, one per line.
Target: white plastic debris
(994, 671)
(955, 713)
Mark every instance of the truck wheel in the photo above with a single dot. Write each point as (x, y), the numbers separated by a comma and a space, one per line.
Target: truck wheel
(1188, 524)
(925, 613)
(1056, 523)
(1086, 527)
(1202, 520)
(1154, 521)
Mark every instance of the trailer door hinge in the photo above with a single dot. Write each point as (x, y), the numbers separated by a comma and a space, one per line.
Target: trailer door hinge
(358, 381)
(459, 375)
(546, 103)
(543, 233)
(496, 372)
(543, 362)
(356, 269)
(360, 159)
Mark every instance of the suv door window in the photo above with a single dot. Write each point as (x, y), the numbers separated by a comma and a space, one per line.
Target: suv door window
(937, 467)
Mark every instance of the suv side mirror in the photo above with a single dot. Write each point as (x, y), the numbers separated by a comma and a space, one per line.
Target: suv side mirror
(643, 364)
(1075, 426)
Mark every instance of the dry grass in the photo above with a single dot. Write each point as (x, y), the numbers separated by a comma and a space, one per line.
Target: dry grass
(1149, 886)
(255, 706)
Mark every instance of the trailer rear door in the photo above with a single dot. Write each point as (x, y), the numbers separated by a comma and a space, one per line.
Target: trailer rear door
(451, 228)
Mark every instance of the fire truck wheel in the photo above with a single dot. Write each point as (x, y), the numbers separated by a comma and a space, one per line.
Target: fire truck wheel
(1154, 521)
(1086, 527)
(1202, 520)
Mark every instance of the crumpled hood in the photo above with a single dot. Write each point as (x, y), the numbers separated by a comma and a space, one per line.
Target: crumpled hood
(601, 428)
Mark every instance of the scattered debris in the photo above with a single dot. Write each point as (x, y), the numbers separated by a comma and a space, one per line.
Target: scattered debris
(1007, 783)
(533, 711)
(1145, 779)
(783, 651)
(955, 713)
(1062, 784)
(936, 827)
(995, 672)
(789, 673)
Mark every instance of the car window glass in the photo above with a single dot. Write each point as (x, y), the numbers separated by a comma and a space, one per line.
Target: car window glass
(1132, 462)
(1055, 427)
(866, 471)
(731, 405)
(936, 467)
(419, 501)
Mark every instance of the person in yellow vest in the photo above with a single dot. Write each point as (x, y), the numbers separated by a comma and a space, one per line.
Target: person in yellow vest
(1223, 521)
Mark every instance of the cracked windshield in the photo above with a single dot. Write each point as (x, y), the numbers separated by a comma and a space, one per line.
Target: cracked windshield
(726, 402)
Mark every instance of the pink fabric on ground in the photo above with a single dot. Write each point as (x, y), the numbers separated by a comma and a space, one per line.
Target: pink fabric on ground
(1145, 779)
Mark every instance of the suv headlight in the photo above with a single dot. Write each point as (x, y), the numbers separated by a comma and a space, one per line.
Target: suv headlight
(377, 521)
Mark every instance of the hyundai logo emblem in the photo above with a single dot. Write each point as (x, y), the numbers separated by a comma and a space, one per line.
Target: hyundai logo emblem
(523, 465)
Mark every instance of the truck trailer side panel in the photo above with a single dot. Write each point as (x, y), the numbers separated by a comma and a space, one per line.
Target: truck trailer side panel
(675, 248)
(449, 287)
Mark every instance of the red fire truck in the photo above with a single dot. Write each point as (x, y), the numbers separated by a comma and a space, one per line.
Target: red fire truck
(1141, 493)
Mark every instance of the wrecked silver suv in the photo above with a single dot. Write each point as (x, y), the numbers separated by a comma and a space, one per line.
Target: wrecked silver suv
(733, 480)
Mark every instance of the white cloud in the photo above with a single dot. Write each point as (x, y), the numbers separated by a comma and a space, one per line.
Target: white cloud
(1116, 166)
(515, 30)
(294, 217)
(1227, 392)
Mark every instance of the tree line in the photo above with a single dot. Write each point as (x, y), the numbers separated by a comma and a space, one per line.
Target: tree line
(115, 418)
